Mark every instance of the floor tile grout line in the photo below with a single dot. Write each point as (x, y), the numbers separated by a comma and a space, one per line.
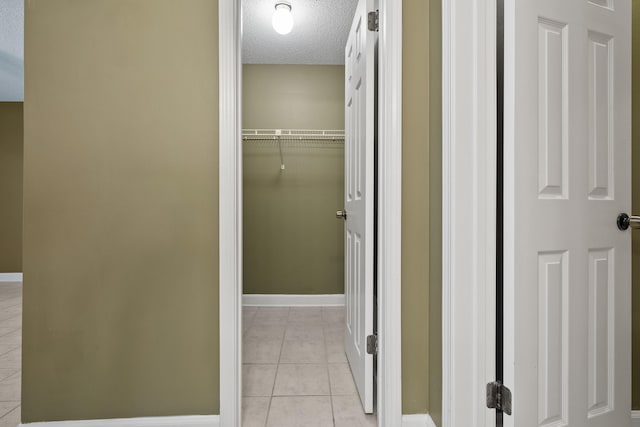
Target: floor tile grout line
(9, 307)
(326, 321)
(11, 317)
(302, 364)
(14, 371)
(264, 422)
(19, 346)
(266, 417)
(11, 410)
(260, 363)
(275, 378)
(326, 355)
(298, 395)
(10, 332)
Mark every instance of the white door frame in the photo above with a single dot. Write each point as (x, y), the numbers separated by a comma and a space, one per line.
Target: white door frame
(469, 210)
(389, 403)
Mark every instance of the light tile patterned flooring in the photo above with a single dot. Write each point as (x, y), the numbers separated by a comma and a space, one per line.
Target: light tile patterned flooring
(295, 372)
(10, 352)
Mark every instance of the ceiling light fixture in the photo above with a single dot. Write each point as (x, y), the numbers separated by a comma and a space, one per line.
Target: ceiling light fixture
(282, 18)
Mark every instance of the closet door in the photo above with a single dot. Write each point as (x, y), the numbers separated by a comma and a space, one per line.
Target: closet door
(567, 177)
(359, 199)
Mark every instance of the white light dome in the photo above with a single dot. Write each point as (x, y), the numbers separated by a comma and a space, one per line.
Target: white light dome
(282, 18)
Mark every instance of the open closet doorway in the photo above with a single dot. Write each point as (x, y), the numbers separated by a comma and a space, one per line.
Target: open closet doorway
(388, 396)
(308, 181)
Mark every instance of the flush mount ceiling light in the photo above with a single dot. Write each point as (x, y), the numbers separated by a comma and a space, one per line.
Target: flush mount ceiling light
(282, 18)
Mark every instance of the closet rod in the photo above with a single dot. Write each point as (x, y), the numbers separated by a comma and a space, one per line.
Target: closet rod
(292, 134)
(298, 135)
(290, 138)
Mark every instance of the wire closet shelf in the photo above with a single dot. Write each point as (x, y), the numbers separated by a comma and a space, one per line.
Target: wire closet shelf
(297, 136)
(292, 135)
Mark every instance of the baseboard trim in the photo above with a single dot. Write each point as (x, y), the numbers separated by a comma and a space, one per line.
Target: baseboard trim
(635, 418)
(183, 421)
(413, 420)
(417, 420)
(10, 277)
(265, 300)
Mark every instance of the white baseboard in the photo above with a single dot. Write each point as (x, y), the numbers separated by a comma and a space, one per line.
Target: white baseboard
(10, 277)
(417, 420)
(265, 300)
(414, 420)
(635, 418)
(185, 421)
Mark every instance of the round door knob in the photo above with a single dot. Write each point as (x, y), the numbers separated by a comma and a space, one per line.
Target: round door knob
(625, 221)
(341, 214)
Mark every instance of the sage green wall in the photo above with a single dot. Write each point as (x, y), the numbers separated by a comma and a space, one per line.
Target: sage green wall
(435, 211)
(636, 204)
(11, 141)
(293, 96)
(121, 179)
(120, 209)
(422, 209)
(293, 243)
(415, 207)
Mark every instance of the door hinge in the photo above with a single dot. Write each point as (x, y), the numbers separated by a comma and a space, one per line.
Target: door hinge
(372, 344)
(374, 21)
(499, 397)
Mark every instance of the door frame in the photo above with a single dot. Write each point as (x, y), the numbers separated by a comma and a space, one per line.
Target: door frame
(469, 174)
(389, 374)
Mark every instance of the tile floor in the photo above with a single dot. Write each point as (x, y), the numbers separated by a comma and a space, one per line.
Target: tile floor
(10, 352)
(295, 372)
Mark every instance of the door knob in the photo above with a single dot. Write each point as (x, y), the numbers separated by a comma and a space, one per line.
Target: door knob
(341, 214)
(625, 221)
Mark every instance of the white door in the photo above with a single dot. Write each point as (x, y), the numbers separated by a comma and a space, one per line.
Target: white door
(567, 176)
(359, 199)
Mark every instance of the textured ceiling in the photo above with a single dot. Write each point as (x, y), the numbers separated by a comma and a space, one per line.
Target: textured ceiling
(319, 32)
(11, 50)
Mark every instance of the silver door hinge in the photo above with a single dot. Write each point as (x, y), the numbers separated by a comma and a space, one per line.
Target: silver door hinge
(499, 397)
(372, 344)
(374, 21)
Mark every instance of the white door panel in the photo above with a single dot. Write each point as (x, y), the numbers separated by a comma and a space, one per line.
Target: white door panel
(359, 198)
(567, 176)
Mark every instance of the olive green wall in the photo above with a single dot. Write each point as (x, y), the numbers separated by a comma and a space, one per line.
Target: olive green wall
(422, 209)
(293, 244)
(636, 204)
(120, 209)
(11, 139)
(293, 96)
(121, 178)
(415, 207)
(435, 210)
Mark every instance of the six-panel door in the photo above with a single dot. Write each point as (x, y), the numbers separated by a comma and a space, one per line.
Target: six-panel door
(359, 199)
(567, 176)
